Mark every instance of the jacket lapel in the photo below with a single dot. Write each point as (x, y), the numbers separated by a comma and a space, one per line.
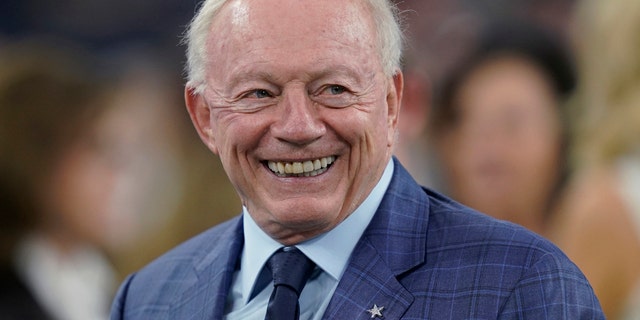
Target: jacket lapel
(206, 291)
(393, 243)
(368, 281)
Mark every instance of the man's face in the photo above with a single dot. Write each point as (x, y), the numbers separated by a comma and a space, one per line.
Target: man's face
(298, 109)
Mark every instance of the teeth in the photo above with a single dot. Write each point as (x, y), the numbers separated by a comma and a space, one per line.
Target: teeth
(301, 169)
(297, 168)
(280, 167)
(307, 166)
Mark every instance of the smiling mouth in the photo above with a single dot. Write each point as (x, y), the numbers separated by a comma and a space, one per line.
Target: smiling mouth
(309, 168)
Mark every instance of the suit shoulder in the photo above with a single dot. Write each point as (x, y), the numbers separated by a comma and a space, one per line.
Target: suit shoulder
(160, 284)
(453, 225)
(197, 247)
(197, 252)
(506, 268)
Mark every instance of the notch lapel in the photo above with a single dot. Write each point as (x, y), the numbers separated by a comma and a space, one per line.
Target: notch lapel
(393, 243)
(368, 281)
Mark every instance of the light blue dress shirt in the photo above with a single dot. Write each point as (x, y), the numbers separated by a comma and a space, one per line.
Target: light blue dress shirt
(330, 252)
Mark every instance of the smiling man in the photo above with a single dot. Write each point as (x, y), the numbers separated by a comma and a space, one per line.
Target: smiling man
(300, 100)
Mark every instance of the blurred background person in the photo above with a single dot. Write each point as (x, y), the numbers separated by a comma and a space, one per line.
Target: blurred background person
(497, 123)
(162, 182)
(55, 177)
(94, 165)
(424, 60)
(599, 223)
(441, 36)
(169, 181)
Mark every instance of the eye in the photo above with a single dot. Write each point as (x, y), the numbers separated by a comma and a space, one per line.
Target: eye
(259, 94)
(336, 89)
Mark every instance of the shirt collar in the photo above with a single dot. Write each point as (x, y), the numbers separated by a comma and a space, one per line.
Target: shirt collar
(330, 251)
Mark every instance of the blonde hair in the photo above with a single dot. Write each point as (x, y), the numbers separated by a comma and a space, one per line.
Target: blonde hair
(384, 13)
(607, 106)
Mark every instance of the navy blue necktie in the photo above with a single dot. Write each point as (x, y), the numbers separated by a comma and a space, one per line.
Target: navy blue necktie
(290, 270)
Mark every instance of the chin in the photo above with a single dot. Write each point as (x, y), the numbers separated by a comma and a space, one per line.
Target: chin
(305, 217)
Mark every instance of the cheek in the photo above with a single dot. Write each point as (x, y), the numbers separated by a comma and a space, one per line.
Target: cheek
(83, 186)
(231, 132)
(382, 126)
(453, 150)
(545, 160)
(236, 136)
(362, 128)
(543, 147)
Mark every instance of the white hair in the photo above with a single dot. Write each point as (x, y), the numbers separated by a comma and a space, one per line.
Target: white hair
(385, 18)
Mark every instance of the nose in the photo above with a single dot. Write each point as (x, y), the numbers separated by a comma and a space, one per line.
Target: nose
(299, 122)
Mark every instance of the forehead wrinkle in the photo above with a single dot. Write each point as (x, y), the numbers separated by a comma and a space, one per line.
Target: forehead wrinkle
(356, 26)
(359, 75)
(353, 18)
(249, 72)
(355, 34)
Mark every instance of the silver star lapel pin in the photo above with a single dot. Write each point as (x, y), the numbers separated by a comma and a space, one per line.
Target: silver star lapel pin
(376, 311)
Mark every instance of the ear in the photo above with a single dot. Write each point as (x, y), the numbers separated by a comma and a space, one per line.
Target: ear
(394, 98)
(200, 114)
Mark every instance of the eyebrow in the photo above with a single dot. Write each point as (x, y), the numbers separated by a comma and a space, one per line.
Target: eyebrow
(251, 73)
(339, 70)
(361, 72)
(245, 74)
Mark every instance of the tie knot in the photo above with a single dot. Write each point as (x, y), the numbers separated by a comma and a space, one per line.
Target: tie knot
(291, 268)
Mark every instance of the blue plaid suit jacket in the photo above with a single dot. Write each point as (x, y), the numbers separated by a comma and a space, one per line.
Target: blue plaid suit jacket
(423, 256)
